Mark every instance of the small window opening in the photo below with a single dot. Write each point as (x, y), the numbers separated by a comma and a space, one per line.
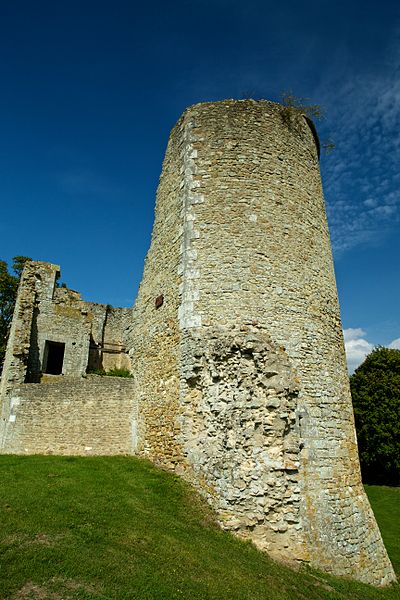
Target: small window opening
(53, 358)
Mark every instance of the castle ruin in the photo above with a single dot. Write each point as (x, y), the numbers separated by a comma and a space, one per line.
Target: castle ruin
(235, 345)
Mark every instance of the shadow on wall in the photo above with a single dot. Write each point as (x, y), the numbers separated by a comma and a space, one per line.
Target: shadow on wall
(34, 367)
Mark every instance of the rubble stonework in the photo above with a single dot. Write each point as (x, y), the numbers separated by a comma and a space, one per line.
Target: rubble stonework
(241, 433)
(235, 344)
(240, 248)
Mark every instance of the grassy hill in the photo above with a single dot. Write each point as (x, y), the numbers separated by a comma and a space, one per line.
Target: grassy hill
(118, 528)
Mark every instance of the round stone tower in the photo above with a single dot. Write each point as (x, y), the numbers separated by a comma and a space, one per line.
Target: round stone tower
(237, 339)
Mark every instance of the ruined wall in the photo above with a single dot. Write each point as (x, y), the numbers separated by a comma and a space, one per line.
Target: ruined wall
(69, 324)
(94, 334)
(96, 415)
(250, 330)
(37, 282)
(36, 418)
(241, 437)
(114, 352)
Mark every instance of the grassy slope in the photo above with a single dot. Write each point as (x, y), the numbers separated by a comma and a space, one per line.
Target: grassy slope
(119, 528)
(385, 502)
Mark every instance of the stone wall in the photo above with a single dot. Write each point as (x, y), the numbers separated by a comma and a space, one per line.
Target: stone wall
(37, 282)
(65, 324)
(90, 336)
(241, 435)
(114, 352)
(94, 335)
(97, 415)
(154, 336)
(242, 370)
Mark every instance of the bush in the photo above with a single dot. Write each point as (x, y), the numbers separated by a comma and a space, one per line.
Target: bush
(112, 372)
(119, 373)
(375, 389)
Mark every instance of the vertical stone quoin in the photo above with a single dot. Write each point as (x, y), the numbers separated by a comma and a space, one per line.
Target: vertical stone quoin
(264, 426)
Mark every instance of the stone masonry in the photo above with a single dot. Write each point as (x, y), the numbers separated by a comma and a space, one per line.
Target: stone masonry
(65, 413)
(96, 415)
(235, 345)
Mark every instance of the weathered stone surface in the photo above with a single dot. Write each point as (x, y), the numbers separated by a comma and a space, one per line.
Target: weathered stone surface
(93, 334)
(240, 433)
(97, 415)
(235, 343)
(241, 247)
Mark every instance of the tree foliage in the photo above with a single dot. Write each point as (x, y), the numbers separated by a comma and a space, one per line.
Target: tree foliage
(375, 389)
(8, 293)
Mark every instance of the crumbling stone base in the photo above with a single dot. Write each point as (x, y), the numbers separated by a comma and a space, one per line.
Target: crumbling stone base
(240, 434)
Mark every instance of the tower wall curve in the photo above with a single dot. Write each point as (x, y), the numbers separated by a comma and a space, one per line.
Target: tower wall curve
(262, 415)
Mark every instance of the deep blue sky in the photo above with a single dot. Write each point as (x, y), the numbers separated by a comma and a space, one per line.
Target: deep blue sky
(90, 90)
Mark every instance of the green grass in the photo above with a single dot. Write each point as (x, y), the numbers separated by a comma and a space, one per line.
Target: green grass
(116, 527)
(385, 502)
(116, 372)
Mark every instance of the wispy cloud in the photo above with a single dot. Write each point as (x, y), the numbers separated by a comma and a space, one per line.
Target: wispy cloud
(362, 176)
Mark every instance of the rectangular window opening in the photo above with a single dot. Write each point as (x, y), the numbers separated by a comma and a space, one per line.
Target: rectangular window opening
(53, 357)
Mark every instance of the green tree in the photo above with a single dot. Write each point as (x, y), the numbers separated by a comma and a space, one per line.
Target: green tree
(375, 389)
(8, 293)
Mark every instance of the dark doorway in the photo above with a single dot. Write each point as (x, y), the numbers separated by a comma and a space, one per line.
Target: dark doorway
(53, 358)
